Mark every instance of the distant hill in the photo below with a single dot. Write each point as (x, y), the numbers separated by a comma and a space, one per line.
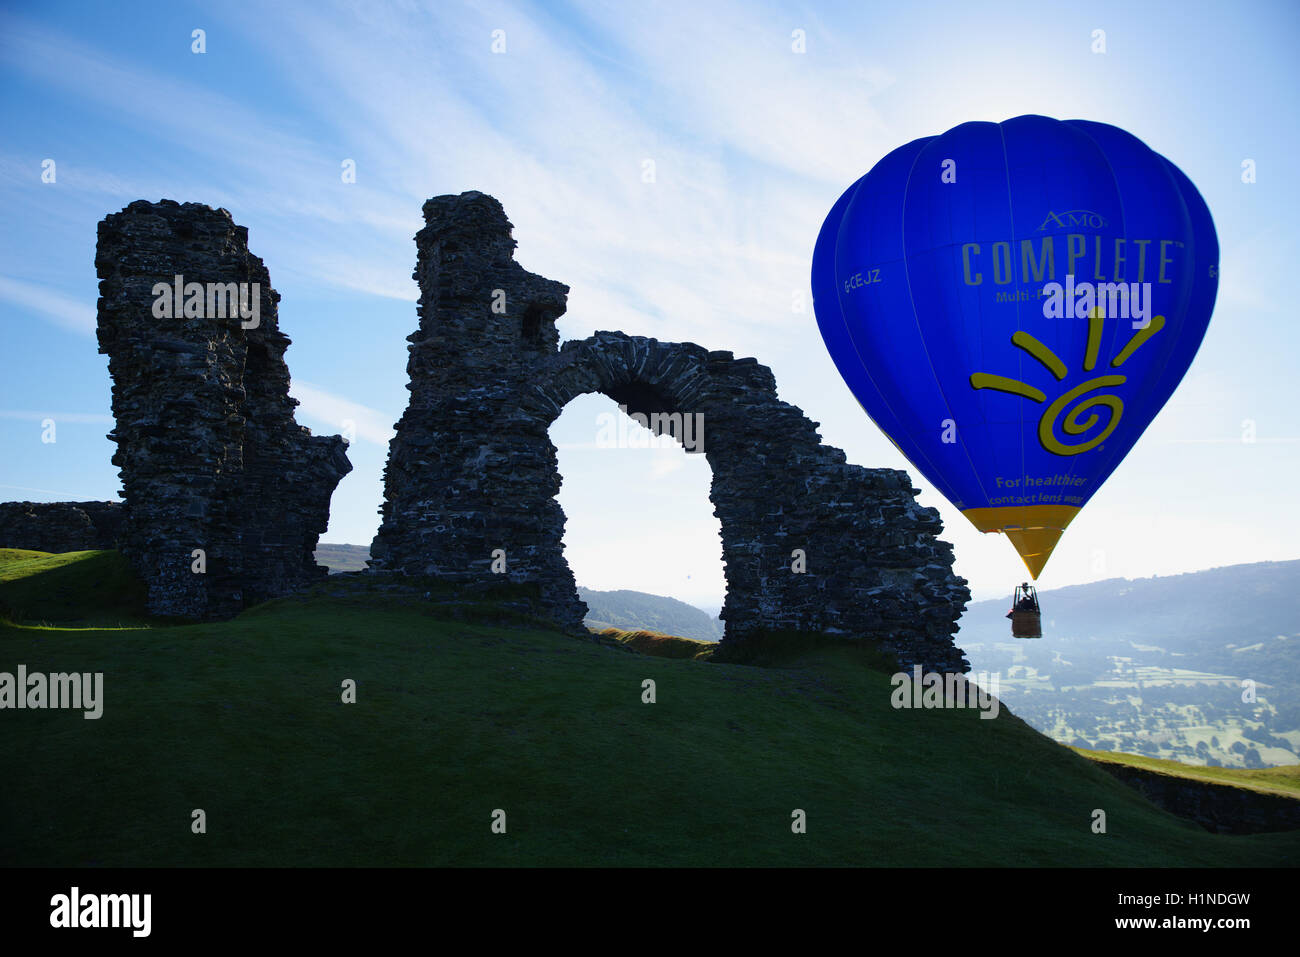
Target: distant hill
(1154, 666)
(627, 610)
(1206, 609)
(631, 610)
(342, 558)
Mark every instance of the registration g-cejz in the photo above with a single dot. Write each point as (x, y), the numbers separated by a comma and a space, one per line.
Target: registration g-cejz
(856, 280)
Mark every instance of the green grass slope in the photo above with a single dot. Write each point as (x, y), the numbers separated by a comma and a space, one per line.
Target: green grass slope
(10, 555)
(455, 720)
(658, 644)
(1284, 780)
(70, 589)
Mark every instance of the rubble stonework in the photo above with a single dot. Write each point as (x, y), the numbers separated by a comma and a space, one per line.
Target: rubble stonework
(60, 526)
(210, 455)
(472, 469)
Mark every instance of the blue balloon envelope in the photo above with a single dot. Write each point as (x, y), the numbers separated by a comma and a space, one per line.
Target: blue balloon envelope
(1012, 303)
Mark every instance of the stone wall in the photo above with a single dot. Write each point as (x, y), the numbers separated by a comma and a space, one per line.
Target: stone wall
(210, 455)
(60, 526)
(472, 471)
(1221, 808)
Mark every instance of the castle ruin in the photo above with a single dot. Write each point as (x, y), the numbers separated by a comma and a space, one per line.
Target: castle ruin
(212, 460)
(809, 542)
(225, 494)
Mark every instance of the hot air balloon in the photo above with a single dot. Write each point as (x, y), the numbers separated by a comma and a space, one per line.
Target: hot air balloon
(1012, 303)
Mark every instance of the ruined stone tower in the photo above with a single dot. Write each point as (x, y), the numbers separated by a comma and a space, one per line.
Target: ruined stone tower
(211, 457)
(469, 472)
(810, 543)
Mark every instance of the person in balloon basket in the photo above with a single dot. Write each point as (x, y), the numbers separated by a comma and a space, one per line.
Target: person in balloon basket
(1027, 603)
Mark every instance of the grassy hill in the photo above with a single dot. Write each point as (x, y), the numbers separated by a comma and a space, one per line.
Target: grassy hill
(659, 645)
(1284, 781)
(456, 719)
(342, 558)
(11, 555)
(633, 610)
(75, 589)
(1155, 665)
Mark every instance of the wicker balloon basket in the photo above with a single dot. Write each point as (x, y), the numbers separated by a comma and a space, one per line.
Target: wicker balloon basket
(1026, 624)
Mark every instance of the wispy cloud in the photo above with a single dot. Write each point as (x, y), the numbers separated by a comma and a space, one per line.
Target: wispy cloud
(62, 496)
(281, 178)
(751, 143)
(52, 306)
(184, 114)
(710, 266)
(687, 256)
(729, 71)
(342, 414)
(88, 418)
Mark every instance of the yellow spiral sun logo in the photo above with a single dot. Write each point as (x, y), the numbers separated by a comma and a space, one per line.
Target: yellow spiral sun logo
(1073, 426)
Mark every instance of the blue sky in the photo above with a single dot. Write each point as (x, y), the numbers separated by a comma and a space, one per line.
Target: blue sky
(751, 142)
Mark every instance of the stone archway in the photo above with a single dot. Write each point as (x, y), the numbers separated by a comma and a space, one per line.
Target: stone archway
(759, 450)
(810, 542)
